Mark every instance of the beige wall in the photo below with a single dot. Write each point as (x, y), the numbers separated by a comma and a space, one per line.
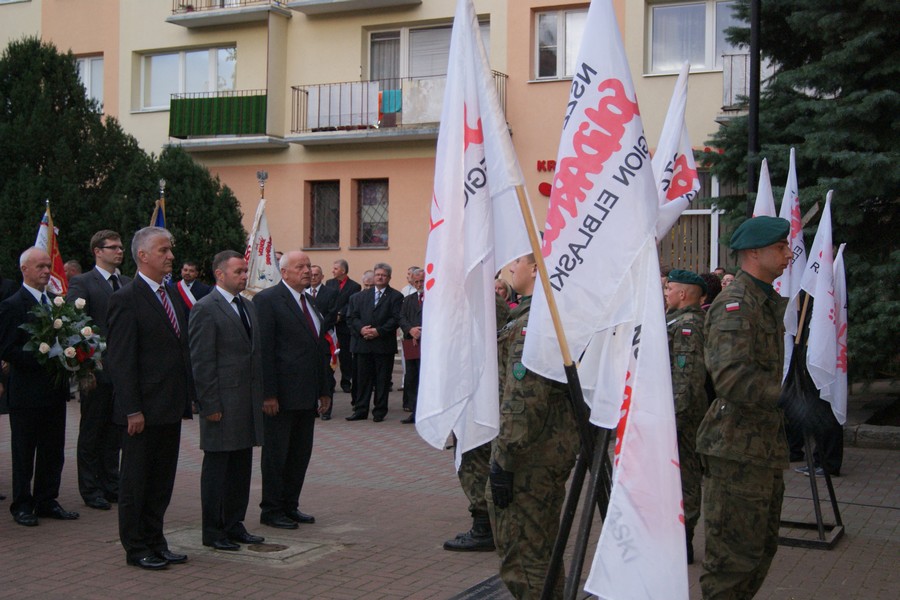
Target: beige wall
(18, 20)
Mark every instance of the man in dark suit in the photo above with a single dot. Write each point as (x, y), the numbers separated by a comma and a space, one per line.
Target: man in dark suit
(375, 315)
(227, 362)
(190, 288)
(345, 288)
(150, 365)
(297, 389)
(98, 436)
(37, 403)
(411, 324)
(325, 299)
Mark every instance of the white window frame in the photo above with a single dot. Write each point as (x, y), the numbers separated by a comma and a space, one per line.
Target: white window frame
(87, 65)
(711, 62)
(404, 43)
(561, 34)
(213, 75)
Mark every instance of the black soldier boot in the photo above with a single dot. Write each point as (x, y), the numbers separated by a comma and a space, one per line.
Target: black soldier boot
(478, 539)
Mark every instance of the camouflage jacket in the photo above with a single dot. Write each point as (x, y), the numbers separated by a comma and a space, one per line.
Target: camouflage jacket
(686, 341)
(744, 356)
(537, 426)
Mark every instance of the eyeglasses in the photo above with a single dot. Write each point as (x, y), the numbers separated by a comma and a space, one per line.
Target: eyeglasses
(112, 248)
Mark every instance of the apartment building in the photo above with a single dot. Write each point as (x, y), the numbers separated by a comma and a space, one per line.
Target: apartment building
(339, 100)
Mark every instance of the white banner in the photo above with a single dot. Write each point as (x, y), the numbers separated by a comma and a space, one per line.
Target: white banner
(262, 268)
(818, 281)
(765, 201)
(836, 393)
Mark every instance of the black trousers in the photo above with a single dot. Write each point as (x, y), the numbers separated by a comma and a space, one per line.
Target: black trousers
(38, 439)
(411, 384)
(149, 462)
(374, 374)
(285, 458)
(98, 445)
(225, 492)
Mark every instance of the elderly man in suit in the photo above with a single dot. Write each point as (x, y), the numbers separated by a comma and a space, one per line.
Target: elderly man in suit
(297, 389)
(150, 364)
(37, 404)
(227, 361)
(375, 315)
(98, 436)
(345, 288)
(411, 324)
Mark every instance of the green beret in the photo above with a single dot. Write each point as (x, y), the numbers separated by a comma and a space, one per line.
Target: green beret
(759, 232)
(688, 277)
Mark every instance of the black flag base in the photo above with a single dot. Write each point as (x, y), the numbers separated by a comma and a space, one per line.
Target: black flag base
(827, 533)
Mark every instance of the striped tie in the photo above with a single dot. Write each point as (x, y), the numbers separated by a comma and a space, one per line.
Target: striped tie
(168, 308)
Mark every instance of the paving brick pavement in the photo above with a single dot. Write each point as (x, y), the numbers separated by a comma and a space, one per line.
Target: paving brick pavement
(384, 503)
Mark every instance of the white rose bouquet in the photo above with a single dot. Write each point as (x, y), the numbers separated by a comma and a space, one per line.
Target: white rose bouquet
(64, 341)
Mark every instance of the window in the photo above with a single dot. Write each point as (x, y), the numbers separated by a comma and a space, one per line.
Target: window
(325, 215)
(558, 37)
(90, 72)
(690, 31)
(372, 213)
(413, 52)
(188, 71)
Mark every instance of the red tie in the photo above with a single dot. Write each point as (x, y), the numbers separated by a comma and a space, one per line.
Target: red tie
(168, 308)
(309, 320)
(421, 298)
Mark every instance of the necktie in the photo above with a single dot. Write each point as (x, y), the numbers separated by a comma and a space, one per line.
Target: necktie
(314, 290)
(170, 312)
(421, 298)
(377, 296)
(244, 319)
(309, 320)
(114, 280)
(45, 302)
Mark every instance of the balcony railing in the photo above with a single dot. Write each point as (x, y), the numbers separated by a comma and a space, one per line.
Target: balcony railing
(376, 104)
(188, 6)
(736, 80)
(207, 114)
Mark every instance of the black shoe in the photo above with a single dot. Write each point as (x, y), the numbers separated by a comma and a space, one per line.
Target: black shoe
(25, 518)
(111, 498)
(98, 503)
(2, 497)
(57, 512)
(409, 419)
(299, 517)
(326, 417)
(172, 557)
(357, 417)
(346, 388)
(246, 538)
(278, 522)
(377, 419)
(466, 542)
(154, 563)
(223, 544)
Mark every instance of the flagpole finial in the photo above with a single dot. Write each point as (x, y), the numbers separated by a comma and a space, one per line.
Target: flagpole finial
(261, 176)
(162, 188)
(47, 202)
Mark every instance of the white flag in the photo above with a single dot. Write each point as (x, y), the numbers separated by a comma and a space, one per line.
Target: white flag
(818, 281)
(836, 393)
(641, 552)
(262, 270)
(674, 168)
(476, 229)
(765, 201)
(788, 285)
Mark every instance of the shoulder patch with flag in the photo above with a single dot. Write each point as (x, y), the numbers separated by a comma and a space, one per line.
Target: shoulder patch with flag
(732, 306)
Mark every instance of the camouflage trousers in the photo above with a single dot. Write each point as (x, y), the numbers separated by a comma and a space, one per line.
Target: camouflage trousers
(524, 531)
(473, 475)
(742, 512)
(691, 470)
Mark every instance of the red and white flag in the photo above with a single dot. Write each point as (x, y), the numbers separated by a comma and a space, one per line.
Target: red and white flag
(476, 228)
(818, 281)
(600, 248)
(262, 268)
(836, 393)
(788, 285)
(46, 241)
(674, 167)
(765, 200)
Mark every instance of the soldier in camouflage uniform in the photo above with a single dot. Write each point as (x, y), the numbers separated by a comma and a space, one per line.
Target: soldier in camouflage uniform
(684, 323)
(473, 477)
(531, 457)
(741, 439)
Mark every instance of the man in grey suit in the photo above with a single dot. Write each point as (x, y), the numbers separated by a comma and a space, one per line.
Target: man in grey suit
(297, 389)
(227, 362)
(98, 436)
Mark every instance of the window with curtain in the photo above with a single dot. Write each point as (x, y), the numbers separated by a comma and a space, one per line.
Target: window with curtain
(186, 71)
(372, 213)
(558, 36)
(414, 51)
(689, 31)
(90, 72)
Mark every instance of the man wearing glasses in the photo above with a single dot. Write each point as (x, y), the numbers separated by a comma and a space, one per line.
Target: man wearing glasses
(98, 437)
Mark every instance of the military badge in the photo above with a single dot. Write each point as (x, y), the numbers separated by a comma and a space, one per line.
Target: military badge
(732, 306)
(519, 371)
(681, 360)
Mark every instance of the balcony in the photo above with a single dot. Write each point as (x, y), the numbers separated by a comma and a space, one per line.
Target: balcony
(736, 83)
(209, 13)
(324, 7)
(372, 111)
(209, 121)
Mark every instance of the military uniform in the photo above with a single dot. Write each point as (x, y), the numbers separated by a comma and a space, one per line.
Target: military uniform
(686, 341)
(536, 447)
(741, 439)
